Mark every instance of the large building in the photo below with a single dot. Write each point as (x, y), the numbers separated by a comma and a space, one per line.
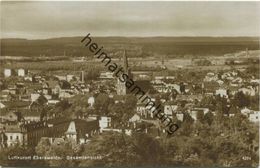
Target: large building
(30, 134)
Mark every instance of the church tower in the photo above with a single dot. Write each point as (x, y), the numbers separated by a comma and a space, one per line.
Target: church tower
(121, 88)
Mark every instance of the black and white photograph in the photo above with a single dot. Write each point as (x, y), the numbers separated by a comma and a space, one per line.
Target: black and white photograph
(129, 84)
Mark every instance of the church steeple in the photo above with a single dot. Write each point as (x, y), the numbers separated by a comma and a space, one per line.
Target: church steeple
(125, 62)
(121, 88)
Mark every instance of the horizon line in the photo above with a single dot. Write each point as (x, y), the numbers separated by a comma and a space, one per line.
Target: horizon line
(48, 38)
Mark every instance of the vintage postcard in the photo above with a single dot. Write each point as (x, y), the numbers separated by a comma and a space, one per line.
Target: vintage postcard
(129, 84)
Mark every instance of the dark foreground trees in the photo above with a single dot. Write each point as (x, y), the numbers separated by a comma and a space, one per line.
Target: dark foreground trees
(231, 141)
(118, 149)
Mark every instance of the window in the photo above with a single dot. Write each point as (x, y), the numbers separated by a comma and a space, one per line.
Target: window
(11, 137)
(17, 137)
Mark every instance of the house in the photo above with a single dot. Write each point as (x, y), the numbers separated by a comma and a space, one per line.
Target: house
(145, 111)
(222, 92)
(7, 72)
(5, 95)
(8, 116)
(210, 77)
(52, 101)
(135, 118)
(141, 109)
(106, 75)
(28, 78)
(80, 130)
(91, 101)
(254, 116)
(220, 82)
(70, 77)
(16, 105)
(71, 132)
(194, 114)
(248, 91)
(246, 111)
(166, 87)
(14, 135)
(29, 134)
(210, 87)
(21, 72)
(160, 87)
(2, 105)
(104, 122)
(31, 115)
(60, 77)
(34, 96)
(180, 116)
(12, 90)
(170, 109)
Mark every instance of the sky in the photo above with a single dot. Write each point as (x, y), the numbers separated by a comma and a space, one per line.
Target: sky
(46, 19)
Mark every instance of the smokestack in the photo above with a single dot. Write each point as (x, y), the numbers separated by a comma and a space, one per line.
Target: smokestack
(82, 76)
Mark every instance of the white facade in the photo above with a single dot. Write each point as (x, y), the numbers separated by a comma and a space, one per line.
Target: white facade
(254, 117)
(246, 111)
(34, 96)
(106, 75)
(13, 138)
(2, 105)
(221, 92)
(21, 72)
(104, 122)
(32, 118)
(65, 94)
(194, 114)
(69, 77)
(170, 109)
(135, 118)
(248, 91)
(91, 101)
(180, 116)
(7, 72)
(71, 133)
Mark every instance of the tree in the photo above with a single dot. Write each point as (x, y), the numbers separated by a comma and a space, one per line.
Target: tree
(200, 116)
(203, 62)
(92, 74)
(208, 101)
(63, 149)
(61, 109)
(208, 118)
(116, 149)
(102, 103)
(130, 102)
(43, 146)
(242, 100)
(233, 109)
(147, 148)
(42, 100)
(17, 150)
(186, 126)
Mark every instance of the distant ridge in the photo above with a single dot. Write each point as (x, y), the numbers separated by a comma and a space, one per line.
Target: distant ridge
(146, 45)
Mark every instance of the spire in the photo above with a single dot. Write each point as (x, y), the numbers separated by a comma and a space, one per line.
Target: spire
(71, 128)
(125, 61)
